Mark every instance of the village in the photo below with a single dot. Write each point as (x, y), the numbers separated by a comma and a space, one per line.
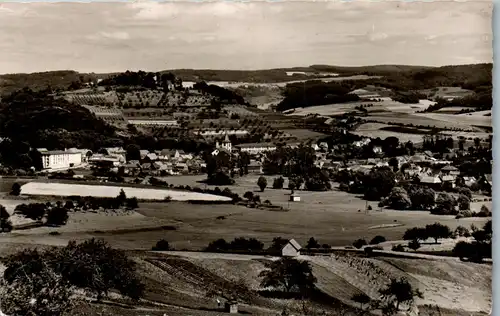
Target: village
(300, 158)
(421, 167)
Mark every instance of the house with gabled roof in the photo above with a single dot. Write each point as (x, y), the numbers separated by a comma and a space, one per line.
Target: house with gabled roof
(450, 170)
(291, 249)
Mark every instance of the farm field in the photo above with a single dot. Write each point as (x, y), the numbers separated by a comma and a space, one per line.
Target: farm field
(385, 105)
(226, 84)
(374, 130)
(445, 121)
(303, 134)
(68, 189)
(332, 217)
(377, 130)
(447, 92)
(459, 119)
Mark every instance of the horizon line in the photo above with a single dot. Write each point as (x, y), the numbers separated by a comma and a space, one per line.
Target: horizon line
(240, 69)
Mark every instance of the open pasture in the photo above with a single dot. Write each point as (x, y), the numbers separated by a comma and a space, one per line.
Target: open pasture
(375, 130)
(443, 121)
(333, 217)
(385, 104)
(68, 189)
(477, 119)
(447, 92)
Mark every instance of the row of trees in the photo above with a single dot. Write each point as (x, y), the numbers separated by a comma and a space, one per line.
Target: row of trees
(57, 214)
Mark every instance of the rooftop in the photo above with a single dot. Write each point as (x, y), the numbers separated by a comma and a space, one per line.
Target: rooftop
(250, 145)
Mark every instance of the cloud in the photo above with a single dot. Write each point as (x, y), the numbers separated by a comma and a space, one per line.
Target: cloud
(158, 35)
(154, 10)
(146, 10)
(119, 36)
(377, 36)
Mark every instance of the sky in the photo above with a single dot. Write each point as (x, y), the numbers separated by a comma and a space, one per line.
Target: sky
(106, 37)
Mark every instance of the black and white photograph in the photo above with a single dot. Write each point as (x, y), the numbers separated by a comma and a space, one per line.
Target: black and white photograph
(281, 158)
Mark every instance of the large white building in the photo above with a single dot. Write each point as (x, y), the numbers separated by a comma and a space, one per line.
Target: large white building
(256, 148)
(60, 159)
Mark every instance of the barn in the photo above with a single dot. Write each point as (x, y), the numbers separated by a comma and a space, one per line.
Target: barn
(291, 249)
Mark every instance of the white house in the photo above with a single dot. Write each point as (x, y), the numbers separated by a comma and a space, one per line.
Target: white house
(291, 249)
(60, 159)
(361, 143)
(256, 148)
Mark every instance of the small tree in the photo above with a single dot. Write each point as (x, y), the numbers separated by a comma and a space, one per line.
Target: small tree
(465, 191)
(5, 223)
(377, 240)
(312, 243)
(248, 195)
(463, 202)
(359, 243)
(289, 275)
(57, 216)
(132, 203)
(445, 204)
(398, 247)
(161, 245)
(416, 233)
(414, 244)
(278, 183)
(398, 199)
(361, 298)
(16, 189)
(438, 230)
(400, 292)
(277, 244)
(122, 197)
(262, 183)
(462, 231)
(217, 246)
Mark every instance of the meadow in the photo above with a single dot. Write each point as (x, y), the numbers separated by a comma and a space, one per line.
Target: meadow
(334, 217)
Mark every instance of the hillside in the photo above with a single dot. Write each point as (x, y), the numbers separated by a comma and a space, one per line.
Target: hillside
(56, 80)
(182, 279)
(428, 76)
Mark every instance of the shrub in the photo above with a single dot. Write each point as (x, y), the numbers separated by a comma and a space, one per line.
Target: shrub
(398, 199)
(398, 247)
(358, 244)
(262, 183)
(161, 245)
(377, 240)
(484, 212)
(368, 251)
(463, 202)
(132, 203)
(168, 198)
(278, 183)
(57, 216)
(462, 231)
(16, 189)
(414, 245)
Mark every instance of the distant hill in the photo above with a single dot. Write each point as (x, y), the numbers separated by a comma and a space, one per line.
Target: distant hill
(395, 76)
(60, 79)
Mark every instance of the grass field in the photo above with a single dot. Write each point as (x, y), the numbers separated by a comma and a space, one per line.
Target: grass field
(374, 130)
(68, 189)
